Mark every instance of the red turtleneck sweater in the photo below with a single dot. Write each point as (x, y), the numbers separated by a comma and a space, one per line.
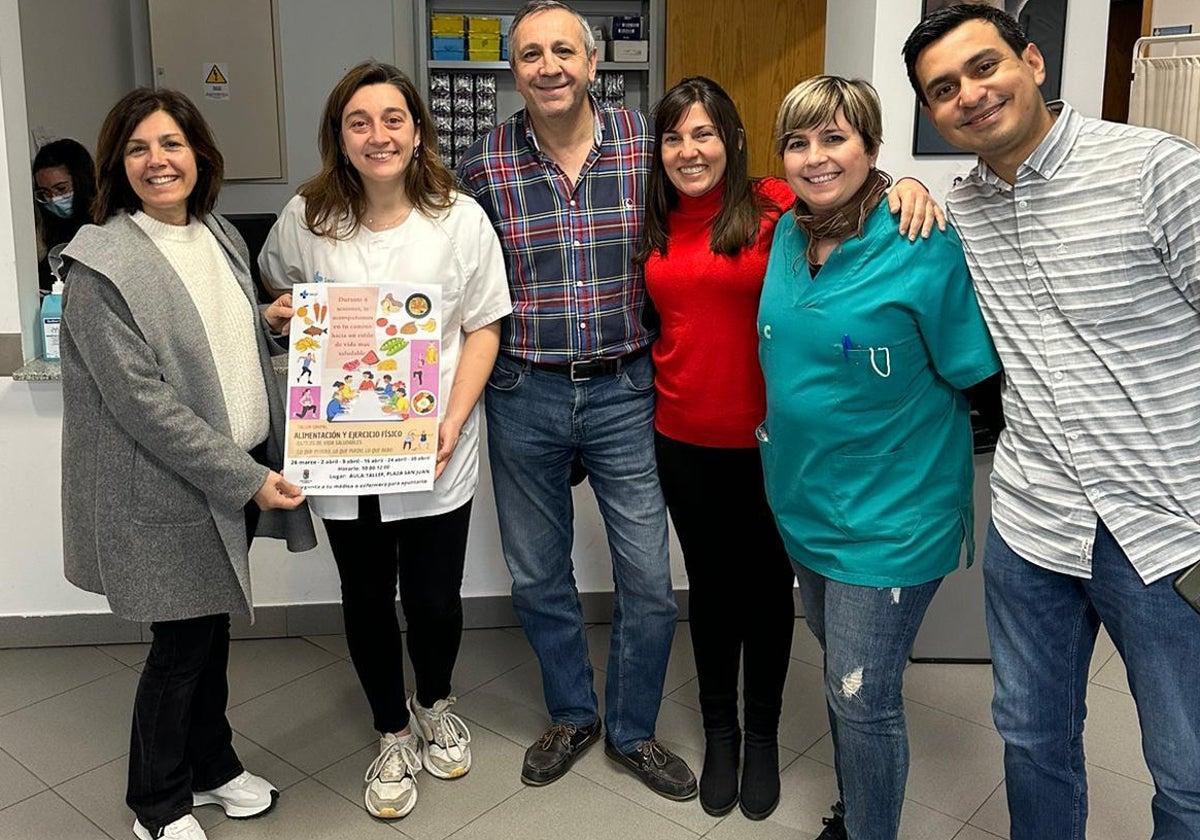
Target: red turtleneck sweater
(710, 387)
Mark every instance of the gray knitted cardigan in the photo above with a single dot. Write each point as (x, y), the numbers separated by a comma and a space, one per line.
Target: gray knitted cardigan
(153, 485)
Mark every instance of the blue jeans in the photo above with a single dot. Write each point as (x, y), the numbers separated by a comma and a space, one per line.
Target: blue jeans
(1042, 626)
(867, 635)
(537, 422)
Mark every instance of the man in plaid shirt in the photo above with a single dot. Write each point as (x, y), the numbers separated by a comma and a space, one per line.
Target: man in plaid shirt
(562, 181)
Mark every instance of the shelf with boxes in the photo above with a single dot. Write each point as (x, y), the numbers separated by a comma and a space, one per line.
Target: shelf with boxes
(462, 61)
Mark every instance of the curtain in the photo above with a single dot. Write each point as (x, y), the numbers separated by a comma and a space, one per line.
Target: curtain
(1166, 95)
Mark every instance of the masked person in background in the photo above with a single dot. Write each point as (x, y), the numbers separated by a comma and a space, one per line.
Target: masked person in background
(64, 185)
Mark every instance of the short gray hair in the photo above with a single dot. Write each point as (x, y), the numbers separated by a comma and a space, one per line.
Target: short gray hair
(533, 7)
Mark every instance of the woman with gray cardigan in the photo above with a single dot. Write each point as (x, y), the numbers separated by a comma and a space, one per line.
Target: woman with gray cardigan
(170, 447)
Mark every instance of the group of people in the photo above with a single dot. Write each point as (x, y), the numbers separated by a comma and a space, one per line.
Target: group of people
(776, 363)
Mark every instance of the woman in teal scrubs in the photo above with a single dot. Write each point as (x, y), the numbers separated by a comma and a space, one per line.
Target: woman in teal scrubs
(867, 341)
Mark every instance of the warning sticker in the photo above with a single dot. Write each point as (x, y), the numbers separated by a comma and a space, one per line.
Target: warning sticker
(216, 80)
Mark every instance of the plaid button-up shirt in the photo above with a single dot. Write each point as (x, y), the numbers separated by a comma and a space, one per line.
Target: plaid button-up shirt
(568, 247)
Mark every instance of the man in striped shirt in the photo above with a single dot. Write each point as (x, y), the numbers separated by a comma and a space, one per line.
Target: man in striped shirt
(1083, 239)
(562, 181)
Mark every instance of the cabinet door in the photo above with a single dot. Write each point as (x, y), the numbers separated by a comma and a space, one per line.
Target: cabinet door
(757, 51)
(223, 55)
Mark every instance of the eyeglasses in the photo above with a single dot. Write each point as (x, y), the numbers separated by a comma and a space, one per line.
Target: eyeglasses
(45, 196)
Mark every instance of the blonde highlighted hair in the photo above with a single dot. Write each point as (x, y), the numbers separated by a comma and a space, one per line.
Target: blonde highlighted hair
(816, 101)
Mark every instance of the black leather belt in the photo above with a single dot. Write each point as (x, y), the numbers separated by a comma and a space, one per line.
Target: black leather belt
(582, 370)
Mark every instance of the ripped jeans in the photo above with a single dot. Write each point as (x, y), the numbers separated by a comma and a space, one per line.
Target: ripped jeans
(867, 635)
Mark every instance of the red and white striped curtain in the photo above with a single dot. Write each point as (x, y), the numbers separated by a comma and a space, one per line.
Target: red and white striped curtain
(1166, 95)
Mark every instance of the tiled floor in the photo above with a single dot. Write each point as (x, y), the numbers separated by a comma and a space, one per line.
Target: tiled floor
(301, 721)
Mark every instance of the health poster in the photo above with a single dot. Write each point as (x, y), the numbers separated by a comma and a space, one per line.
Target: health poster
(362, 391)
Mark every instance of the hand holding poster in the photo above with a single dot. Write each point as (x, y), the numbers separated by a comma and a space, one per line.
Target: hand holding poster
(363, 401)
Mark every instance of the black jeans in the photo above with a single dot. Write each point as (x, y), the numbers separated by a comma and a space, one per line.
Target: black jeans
(739, 579)
(426, 555)
(181, 740)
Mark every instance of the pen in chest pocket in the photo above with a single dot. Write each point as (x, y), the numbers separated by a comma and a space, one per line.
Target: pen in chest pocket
(847, 345)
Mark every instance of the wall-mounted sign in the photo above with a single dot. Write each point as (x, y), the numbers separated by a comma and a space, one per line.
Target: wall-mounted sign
(216, 80)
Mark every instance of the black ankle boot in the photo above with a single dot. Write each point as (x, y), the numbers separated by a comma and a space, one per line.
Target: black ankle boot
(760, 776)
(719, 779)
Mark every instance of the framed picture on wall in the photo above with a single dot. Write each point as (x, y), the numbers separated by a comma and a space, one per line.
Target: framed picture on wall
(1045, 24)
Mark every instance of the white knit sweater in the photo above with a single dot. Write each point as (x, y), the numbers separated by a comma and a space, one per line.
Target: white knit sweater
(229, 320)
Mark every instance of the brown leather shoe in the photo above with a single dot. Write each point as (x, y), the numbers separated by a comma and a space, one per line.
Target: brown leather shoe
(552, 755)
(662, 771)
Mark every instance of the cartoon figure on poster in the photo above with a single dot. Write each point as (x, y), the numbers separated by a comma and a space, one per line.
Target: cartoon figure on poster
(369, 356)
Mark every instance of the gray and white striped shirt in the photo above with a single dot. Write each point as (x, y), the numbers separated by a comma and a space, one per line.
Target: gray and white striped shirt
(1088, 274)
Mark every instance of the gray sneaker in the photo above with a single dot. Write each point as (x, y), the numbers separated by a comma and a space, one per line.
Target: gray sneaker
(445, 739)
(391, 779)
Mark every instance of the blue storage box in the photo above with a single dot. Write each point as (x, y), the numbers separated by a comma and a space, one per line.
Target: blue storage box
(448, 49)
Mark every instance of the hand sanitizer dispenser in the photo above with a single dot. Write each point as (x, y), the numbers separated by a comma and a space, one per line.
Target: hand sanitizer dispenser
(51, 318)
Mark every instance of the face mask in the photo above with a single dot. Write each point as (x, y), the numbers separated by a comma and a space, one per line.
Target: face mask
(61, 205)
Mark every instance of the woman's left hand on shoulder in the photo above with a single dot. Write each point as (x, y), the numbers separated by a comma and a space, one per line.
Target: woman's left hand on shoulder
(918, 211)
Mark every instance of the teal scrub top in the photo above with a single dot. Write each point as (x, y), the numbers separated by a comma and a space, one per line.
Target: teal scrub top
(866, 446)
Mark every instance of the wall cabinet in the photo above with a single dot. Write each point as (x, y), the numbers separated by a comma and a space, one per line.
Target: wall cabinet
(224, 55)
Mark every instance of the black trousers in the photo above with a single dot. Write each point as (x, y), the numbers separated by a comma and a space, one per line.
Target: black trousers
(739, 580)
(426, 555)
(181, 740)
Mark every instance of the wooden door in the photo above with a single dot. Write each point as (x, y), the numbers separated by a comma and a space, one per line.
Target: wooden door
(1124, 28)
(756, 49)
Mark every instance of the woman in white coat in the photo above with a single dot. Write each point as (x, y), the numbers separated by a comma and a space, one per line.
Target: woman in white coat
(381, 210)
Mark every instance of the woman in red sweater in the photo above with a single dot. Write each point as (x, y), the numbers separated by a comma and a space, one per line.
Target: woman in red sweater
(706, 239)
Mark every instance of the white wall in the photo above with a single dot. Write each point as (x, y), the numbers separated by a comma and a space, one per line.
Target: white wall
(18, 254)
(1083, 74)
(31, 581)
(1175, 12)
(850, 38)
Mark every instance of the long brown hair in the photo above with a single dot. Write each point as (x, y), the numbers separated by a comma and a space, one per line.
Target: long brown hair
(334, 197)
(114, 193)
(738, 221)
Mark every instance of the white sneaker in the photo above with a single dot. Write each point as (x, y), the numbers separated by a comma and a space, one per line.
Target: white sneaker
(184, 828)
(241, 797)
(445, 739)
(391, 779)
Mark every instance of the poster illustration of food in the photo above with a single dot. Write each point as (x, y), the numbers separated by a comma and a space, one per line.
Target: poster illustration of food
(362, 389)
